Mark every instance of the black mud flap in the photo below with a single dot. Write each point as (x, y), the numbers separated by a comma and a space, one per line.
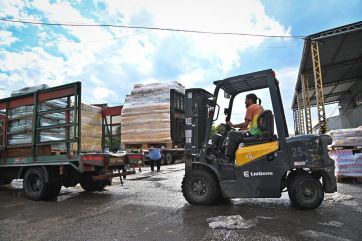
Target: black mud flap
(329, 179)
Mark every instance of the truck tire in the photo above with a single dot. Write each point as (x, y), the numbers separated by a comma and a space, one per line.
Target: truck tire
(34, 184)
(305, 192)
(168, 158)
(200, 187)
(89, 185)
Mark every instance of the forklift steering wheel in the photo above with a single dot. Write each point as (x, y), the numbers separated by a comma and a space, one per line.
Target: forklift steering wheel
(226, 127)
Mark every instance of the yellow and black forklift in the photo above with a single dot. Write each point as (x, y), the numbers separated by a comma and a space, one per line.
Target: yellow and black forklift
(265, 165)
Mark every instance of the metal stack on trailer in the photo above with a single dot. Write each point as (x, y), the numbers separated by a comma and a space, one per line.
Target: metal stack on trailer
(50, 139)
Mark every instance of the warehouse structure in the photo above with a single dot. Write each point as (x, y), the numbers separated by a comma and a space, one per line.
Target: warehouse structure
(330, 72)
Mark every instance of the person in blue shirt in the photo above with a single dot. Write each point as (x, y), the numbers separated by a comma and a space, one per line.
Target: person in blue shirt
(155, 156)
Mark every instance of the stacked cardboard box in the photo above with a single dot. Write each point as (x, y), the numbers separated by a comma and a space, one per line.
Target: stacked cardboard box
(146, 113)
(91, 139)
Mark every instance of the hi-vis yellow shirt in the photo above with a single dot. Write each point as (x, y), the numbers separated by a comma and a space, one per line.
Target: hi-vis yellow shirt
(252, 113)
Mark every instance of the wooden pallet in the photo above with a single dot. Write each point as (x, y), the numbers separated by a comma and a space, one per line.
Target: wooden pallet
(347, 179)
(335, 148)
(148, 146)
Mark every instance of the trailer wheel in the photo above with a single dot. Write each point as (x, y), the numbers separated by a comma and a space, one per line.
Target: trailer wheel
(89, 185)
(35, 187)
(305, 192)
(168, 158)
(200, 187)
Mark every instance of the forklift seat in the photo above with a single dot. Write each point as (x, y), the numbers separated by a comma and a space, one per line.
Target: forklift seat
(266, 124)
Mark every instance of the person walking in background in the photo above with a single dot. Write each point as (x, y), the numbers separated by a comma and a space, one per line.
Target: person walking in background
(155, 157)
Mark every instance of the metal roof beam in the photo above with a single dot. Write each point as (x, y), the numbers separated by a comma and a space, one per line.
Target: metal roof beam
(338, 82)
(337, 31)
(337, 65)
(347, 92)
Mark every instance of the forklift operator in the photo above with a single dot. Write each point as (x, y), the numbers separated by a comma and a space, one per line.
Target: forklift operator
(249, 126)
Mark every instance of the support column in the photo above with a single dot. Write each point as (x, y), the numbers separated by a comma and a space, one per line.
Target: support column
(300, 113)
(306, 101)
(296, 124)
(318, 83)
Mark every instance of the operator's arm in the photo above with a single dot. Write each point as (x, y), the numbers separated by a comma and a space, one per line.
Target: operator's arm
(242, 126)
(245, 124)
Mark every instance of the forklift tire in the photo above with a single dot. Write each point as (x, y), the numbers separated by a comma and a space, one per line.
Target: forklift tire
(34, 184)
(200, 187)
(305, 192)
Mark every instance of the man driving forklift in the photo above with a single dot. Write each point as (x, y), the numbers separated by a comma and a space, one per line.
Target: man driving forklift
(249, 127)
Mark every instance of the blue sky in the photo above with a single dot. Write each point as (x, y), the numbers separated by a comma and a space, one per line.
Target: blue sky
(109, 61)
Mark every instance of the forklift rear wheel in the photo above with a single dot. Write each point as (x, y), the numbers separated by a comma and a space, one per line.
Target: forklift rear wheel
(35, 187)
(305, 192)
(200, 187)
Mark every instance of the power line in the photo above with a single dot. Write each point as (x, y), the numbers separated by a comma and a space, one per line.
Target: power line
(150, 28)
(86, 41)
(136, 34)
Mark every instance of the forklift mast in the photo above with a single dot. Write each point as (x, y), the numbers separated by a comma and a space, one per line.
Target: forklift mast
(196, 118)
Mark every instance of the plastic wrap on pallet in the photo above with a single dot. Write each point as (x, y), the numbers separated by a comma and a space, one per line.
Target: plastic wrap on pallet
(46, 136)
(346, 137)
(53, 104)
(21, 111)
(347, 163)
(17, 139)
(146, 113)
(27, 90)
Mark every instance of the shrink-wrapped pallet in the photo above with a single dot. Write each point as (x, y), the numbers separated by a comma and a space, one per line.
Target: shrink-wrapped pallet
(146, 113)
(346, 137)
(347, 163)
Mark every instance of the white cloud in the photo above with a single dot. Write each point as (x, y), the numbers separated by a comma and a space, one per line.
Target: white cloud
(99, 61)
(7, 38)
(31, 68)
(101, 94)
(220, 16)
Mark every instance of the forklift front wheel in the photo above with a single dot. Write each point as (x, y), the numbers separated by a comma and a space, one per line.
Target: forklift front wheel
(200, 187)
(305, 192)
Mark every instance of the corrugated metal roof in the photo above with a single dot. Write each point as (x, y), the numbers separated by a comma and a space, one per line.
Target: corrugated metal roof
(341, 62)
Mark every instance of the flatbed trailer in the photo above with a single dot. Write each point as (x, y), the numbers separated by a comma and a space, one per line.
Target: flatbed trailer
(43, 169)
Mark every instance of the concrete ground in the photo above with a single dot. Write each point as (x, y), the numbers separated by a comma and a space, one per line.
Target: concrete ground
(150, 206)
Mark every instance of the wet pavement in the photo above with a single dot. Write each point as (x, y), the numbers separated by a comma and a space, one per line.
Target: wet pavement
(150, 206)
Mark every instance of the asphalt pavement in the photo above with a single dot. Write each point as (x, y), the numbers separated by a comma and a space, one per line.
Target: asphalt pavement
(150, 206)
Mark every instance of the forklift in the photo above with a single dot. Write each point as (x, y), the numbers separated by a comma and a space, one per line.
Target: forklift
(265, 165)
